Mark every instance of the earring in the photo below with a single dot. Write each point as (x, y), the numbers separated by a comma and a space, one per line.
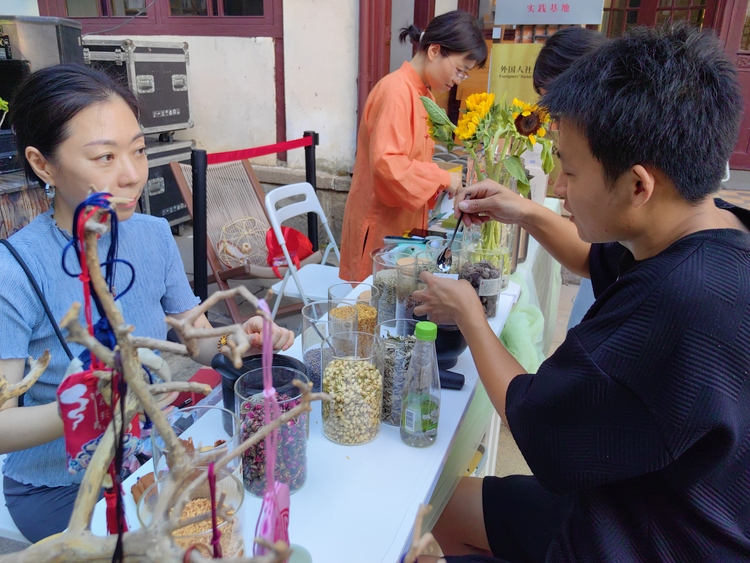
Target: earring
(49, 190)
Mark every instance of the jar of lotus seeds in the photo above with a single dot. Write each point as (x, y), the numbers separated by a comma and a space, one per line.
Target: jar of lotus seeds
(352, 376)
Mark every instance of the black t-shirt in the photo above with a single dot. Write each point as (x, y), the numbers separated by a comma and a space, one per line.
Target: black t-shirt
(644, 411)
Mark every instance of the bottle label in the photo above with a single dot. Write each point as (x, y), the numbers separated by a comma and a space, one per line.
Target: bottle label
(421, 414)
(489, 287)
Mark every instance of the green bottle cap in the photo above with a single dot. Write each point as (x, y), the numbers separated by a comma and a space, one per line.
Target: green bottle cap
(425, 330)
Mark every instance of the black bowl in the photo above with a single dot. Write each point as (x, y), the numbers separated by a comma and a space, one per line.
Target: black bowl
(449, 345)
(230, 374)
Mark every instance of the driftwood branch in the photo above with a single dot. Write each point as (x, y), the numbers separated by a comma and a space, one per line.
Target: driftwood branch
(78, 334)
(419, 541)
(238, 344)
(36, 369)
(153, 543)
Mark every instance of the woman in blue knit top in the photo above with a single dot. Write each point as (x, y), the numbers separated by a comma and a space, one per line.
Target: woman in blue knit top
(76, 128)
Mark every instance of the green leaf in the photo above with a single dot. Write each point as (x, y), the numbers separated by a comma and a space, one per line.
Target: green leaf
(436, 114)
(547, 162)
(3, 105)
(515, 168)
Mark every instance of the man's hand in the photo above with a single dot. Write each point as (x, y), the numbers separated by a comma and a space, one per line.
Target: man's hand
(446, 301)
(488, 200)
(282, 338)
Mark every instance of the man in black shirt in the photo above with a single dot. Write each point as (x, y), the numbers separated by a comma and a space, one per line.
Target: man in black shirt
(637, 428)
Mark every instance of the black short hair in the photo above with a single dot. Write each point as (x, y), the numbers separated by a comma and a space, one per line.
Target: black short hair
(49, 98)
(561, 50)
(456, 32)
(666, 98)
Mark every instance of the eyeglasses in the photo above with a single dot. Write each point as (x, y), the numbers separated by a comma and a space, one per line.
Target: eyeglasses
(462, 75)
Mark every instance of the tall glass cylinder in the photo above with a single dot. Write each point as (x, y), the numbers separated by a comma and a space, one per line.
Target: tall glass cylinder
(396, 343)
(291, 453)
(352, 376)
(317, 325)
(385, 261)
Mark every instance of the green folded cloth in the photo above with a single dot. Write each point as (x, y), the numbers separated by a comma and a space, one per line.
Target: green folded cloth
(523, 332)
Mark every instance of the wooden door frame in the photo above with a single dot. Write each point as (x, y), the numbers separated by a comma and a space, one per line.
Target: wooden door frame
(730, 34)
(374, 47)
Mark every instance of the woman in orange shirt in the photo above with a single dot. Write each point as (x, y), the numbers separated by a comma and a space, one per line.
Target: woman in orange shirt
(395, 182)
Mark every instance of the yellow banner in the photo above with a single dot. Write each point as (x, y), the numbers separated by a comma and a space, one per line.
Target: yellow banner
(511, 68)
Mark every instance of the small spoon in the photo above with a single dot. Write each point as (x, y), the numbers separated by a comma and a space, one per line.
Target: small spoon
(445, 259)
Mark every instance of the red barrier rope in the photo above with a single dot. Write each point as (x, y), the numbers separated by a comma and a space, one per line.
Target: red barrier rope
(229, 156)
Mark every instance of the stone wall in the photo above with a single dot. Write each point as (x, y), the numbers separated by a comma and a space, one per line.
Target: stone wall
(332, 191)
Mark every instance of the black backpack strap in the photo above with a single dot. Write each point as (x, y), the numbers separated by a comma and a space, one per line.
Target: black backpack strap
(39, 294)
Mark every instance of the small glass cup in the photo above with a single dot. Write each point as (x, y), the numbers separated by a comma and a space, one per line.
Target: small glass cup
(352, 376)
(435, 248)
(213, 431)
(229, 488)
(317, 325)
(291, 453)
(363, 296)
(396, 343)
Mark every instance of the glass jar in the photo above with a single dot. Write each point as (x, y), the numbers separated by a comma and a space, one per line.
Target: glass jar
(352, 376)
(483, 269)
(363, 296)
(436, 247)
(228, 490)
(217, 434)
(396, 343)
(316, 327)
(291, 453)
(385, 262)
(406, 284)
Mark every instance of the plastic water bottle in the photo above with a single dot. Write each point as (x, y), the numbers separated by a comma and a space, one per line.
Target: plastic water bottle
(420, 405)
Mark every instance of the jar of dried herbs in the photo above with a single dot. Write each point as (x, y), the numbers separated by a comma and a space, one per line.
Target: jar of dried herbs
(396, 342)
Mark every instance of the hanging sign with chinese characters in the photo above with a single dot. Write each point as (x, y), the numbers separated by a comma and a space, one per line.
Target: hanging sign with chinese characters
(540, 12)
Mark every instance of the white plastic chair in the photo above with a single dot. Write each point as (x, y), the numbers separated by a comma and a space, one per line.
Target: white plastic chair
(311, 281)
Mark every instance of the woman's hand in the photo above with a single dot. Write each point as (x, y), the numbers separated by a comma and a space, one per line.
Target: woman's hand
(446, 301)
(456, 184)
(487, 200)
(282, 338)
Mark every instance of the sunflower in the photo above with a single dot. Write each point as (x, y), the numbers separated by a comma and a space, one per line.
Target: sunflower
(467, 125)
(481, 104)
(530, 122)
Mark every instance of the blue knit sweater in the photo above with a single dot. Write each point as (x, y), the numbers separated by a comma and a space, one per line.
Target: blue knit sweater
(643, 413)
(160, 287)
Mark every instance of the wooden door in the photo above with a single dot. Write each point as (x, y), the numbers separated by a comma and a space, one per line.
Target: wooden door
(738, 49)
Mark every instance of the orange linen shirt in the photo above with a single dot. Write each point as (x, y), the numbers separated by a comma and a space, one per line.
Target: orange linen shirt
(395, 182)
